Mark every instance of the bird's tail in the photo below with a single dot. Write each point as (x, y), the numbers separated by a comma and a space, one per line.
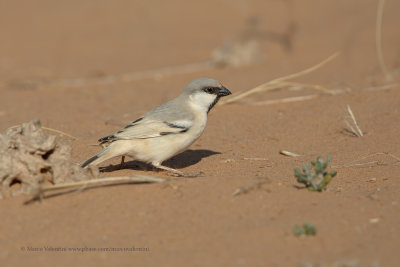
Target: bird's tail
(86, 163)
(115, 149)
(98, 158)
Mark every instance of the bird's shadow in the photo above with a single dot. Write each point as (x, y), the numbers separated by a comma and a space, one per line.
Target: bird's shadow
(185, 159)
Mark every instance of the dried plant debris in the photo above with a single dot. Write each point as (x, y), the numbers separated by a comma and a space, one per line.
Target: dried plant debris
(284, 82)
(315, 176)
(356, 130)
(29, 157)
(288, 153)
(372, 160)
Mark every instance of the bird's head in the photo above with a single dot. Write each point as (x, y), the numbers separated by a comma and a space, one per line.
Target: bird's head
(204, 93)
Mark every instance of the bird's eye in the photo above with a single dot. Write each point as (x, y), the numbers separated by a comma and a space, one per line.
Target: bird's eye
(209, 90)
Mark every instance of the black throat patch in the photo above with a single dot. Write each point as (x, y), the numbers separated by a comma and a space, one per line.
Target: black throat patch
(213, 103)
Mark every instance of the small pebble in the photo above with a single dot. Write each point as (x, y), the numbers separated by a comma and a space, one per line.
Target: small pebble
(374, 220)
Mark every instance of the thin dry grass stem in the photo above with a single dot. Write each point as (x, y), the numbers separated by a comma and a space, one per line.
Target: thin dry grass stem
(285, 100)
(357, 163)
(288, 153)
(291, 99)
(293, 85)
(38, 192)
(381, 87)
(59, 132)
(278, 82)
(379, 49)
(306, 71)
(51, 130)
(358, 131)
(106, 180)
(261, 88)
(121, 78)
(256, 159)
(351, 128)
(301, 86)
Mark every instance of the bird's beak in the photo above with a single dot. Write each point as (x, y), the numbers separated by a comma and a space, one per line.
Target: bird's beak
(224, 92)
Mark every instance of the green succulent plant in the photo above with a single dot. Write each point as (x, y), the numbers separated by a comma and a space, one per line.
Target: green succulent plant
(314, 176)
(305, 229)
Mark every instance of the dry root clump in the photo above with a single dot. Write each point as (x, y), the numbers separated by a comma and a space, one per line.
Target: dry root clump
(29, 157)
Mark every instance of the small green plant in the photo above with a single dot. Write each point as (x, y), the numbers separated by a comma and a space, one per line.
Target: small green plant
(318, 178)
(306, 229)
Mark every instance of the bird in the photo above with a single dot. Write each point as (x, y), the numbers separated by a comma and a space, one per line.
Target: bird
(165, 130)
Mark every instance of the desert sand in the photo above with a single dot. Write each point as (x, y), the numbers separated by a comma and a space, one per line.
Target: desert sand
(88, 68)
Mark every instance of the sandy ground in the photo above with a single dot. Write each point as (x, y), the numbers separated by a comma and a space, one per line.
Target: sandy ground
(88, 68)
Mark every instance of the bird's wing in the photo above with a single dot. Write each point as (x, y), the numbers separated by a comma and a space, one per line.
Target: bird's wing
(153, 128)
(147, 128)
(170, 118)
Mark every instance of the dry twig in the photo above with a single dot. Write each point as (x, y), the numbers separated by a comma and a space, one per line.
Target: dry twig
(285, 100)
(256, 159)
(51, 130)
(358, 131)
(117, 78)
(358, 163)
(38, 192)
(379, 49)
(289, 154)
(278, 82)
(381, 87)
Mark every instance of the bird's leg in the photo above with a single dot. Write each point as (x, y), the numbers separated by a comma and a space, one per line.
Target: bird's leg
(174, 172)
(122, 161)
